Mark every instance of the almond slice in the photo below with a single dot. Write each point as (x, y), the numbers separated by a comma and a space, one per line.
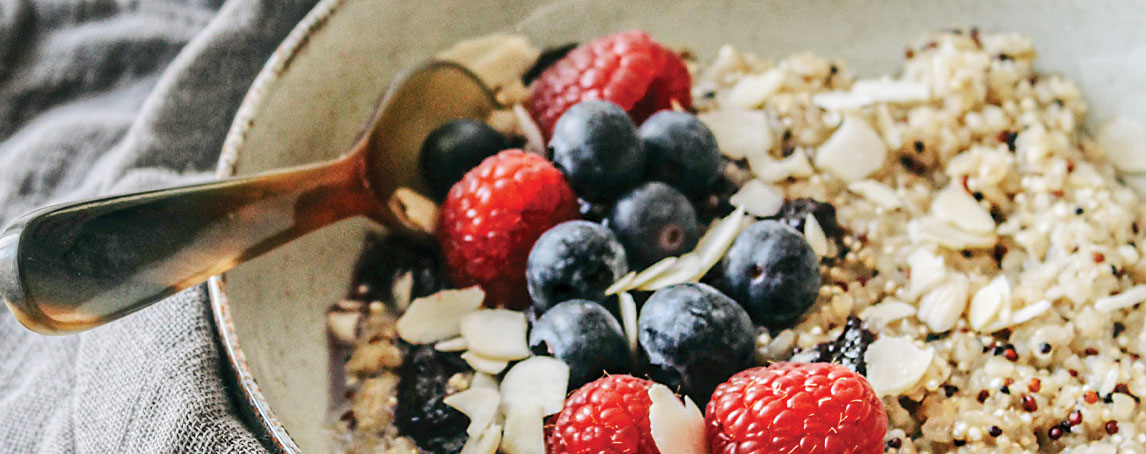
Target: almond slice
(877, 193)
(958, 208)
(479, 404)
(485, 442)
(896, 364)
(483, 380)
(629, 320)
(941, 308)
(496, 333)
(853, 152)
(540, 382)
(457, 344)
(482, 364)
(739, 133)
(988, 303)
(437, 317)
(886, 312)
(758, 198)
(815, 236)
(622, 284)
(652, 271)
(676, 427)
(524, 431)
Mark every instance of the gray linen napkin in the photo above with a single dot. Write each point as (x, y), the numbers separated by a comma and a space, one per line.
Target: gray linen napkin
(105, 96)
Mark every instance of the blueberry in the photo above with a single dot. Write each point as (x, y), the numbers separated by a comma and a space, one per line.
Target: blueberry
(773, 272)
(654, 221)
(585, 336)
(681, 151)
(595, 145)
(453, 149)
(421, 413)
(694, 338)
(574, 259)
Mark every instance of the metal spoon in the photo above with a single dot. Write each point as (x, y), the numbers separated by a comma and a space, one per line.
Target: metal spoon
(74, 266)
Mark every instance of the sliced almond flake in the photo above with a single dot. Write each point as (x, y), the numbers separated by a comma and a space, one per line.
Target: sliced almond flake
(753, 90)
(739, 133)
(988, 303)
(538, 382)
(1023, 315)
(496, 333)
(815, 236)
(437, 317)
(718, 239)
(403, 290)
(896, 364)
(479, 404)
(709, 250)
(927, 271)
(676, 427)
(652, 271)
(629, 319)
(958, 208)
(496, 59)
(483, 380)
(343, 326)
(485, 442)
(853, 152)
(931, 230)
(758, 199)
(482, 364)
(535, 141)
(1128, 298)
(1124, 141)
(414, 210)
(457, 344)
(622, 284)
(524, 431)
(877, 193)
(865, 92)
(886, 312)
(941, 308)
(679, 273)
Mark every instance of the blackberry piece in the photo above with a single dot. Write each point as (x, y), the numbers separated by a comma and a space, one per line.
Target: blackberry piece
(453, 149)
(772, 271)
(595, 145)
(793, 213)
(386, 258)
(421, 414)
(848, 349)
(573, 260)
(694, 338)
(585, 336)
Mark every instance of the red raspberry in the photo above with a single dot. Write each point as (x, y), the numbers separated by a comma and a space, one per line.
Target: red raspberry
(606, 416)
(492, 217)
(795, 408)
(629, 69)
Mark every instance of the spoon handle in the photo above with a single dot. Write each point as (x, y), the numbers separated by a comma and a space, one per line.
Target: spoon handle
(74, 266)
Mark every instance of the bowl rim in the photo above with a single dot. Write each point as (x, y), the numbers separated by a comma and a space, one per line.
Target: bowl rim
(254, 405)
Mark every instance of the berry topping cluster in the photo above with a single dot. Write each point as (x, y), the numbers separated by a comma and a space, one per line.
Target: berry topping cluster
(608, 300)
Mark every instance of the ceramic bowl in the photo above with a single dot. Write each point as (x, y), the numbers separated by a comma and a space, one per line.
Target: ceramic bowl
(312, 98)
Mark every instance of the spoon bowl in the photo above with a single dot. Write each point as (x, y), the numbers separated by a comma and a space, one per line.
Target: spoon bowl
(70, 267)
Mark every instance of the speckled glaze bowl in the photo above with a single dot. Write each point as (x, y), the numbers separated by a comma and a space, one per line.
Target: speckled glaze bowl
(312, 98)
